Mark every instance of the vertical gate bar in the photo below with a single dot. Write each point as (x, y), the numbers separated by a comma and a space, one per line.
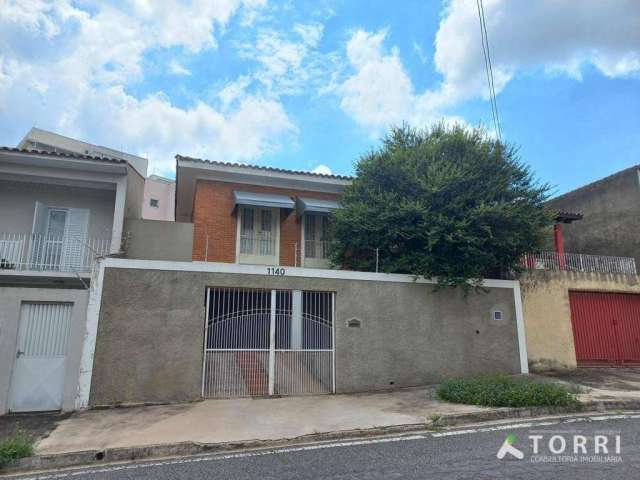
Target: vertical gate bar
(333, 341)
(206, 328)
(272, 342)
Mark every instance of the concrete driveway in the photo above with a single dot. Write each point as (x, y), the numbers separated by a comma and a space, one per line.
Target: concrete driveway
(601, 383)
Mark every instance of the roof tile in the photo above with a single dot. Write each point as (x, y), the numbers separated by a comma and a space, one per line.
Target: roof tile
(258, 167)
(63, 155)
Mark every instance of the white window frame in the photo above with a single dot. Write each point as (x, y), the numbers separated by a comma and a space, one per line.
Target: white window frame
(258, 259)
(310, 262)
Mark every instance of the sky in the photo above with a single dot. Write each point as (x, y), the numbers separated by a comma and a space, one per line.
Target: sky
(313, 85)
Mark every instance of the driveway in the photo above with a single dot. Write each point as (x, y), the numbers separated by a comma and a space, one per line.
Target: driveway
(601, 383)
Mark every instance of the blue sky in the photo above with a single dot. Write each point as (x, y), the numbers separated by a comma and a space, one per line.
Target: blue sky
(315, 84)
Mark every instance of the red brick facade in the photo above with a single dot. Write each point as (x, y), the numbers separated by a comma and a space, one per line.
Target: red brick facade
(213, 217)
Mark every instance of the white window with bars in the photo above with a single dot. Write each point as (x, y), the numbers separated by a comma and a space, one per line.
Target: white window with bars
(258, 236)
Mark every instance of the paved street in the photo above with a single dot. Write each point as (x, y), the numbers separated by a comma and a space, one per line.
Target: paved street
(462, 453)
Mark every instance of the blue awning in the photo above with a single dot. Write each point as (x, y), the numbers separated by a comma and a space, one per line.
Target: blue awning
(316, 205)
(263, 200)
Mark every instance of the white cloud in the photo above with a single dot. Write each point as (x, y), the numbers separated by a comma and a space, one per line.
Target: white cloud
(176, 68)
(556, 37)
(289, 62)
(77, 84)
(553, 36)
(380, 92)
(322, 170)
(419, 51)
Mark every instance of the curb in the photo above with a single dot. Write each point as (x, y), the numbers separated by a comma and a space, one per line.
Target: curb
(122, 454)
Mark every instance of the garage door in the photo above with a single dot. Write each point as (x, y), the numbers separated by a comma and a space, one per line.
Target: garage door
(606, 328)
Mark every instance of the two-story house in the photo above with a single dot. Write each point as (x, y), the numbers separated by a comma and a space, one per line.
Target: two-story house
(58, 212)
(256, 215)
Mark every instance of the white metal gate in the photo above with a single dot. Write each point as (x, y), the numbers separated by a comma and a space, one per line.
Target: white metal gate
(268, 342)
(43, 341)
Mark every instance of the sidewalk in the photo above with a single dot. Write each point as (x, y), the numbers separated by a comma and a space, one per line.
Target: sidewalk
(235, 420)
(122, 434)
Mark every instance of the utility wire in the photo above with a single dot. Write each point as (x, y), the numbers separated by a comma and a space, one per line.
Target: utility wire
(489, 69)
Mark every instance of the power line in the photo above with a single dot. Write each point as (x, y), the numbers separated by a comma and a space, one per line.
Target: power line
(489, 69)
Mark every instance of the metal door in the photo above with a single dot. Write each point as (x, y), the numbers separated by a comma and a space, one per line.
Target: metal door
(268, 342)
(43, 342)
(606, 327)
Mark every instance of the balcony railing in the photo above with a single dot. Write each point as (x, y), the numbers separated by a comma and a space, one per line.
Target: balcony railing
(29, 251)
(318, 249)
(578, 262)
(262, 244)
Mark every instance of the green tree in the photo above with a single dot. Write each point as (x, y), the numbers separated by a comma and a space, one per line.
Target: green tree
(448, 202)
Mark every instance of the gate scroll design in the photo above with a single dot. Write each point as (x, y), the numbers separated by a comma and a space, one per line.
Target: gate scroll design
(268, 342)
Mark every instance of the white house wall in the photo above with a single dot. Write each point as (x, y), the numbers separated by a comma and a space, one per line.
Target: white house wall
(17, 201)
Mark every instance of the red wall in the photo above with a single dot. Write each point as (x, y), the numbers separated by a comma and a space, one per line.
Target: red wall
(213, 216)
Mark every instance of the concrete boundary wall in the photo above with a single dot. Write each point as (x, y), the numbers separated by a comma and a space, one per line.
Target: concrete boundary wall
(149, 328)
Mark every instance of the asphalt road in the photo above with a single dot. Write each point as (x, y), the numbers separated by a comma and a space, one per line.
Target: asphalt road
(462, 453)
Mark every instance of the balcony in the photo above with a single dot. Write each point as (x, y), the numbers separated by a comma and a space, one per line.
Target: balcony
(578, 262)
(36, 252)
(316, 253)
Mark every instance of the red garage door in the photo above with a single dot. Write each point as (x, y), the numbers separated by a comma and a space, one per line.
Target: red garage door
(606, 328)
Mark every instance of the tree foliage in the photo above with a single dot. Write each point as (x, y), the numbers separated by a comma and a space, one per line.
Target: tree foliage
(448, 202)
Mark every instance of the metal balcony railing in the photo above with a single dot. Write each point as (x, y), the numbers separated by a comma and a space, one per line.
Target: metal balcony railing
(262, 244)
(579, 262)
(30, 251)
(318, 249)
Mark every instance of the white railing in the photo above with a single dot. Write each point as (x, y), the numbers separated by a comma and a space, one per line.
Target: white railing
(579, 262)
(30, 251)
(262, 244)
(316, 249)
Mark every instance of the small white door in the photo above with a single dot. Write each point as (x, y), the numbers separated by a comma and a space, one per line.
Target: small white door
(43, 342)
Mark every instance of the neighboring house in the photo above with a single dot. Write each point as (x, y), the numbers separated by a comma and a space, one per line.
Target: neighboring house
(159, 198)
(256, 215)
(582, 301)
(43, 140)
(611, 209)
(58, 213)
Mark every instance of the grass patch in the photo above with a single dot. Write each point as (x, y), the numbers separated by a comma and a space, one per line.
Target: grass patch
(17, 446)
(505, 391)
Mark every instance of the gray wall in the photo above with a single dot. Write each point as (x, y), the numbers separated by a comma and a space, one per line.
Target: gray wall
(135, 194)
(18, 199)
(150, 333)
(159, 240)
(10, 301)
(611, 224)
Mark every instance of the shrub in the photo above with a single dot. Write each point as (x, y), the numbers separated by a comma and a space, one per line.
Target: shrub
(17, 446)
(505, 391)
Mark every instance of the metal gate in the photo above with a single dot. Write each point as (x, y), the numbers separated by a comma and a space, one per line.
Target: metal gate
(606, 328)
(43, 343)
(268, 342)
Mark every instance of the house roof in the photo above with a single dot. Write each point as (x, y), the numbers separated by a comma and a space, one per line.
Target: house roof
(61, 155)
(258, 167)
(39, 139)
